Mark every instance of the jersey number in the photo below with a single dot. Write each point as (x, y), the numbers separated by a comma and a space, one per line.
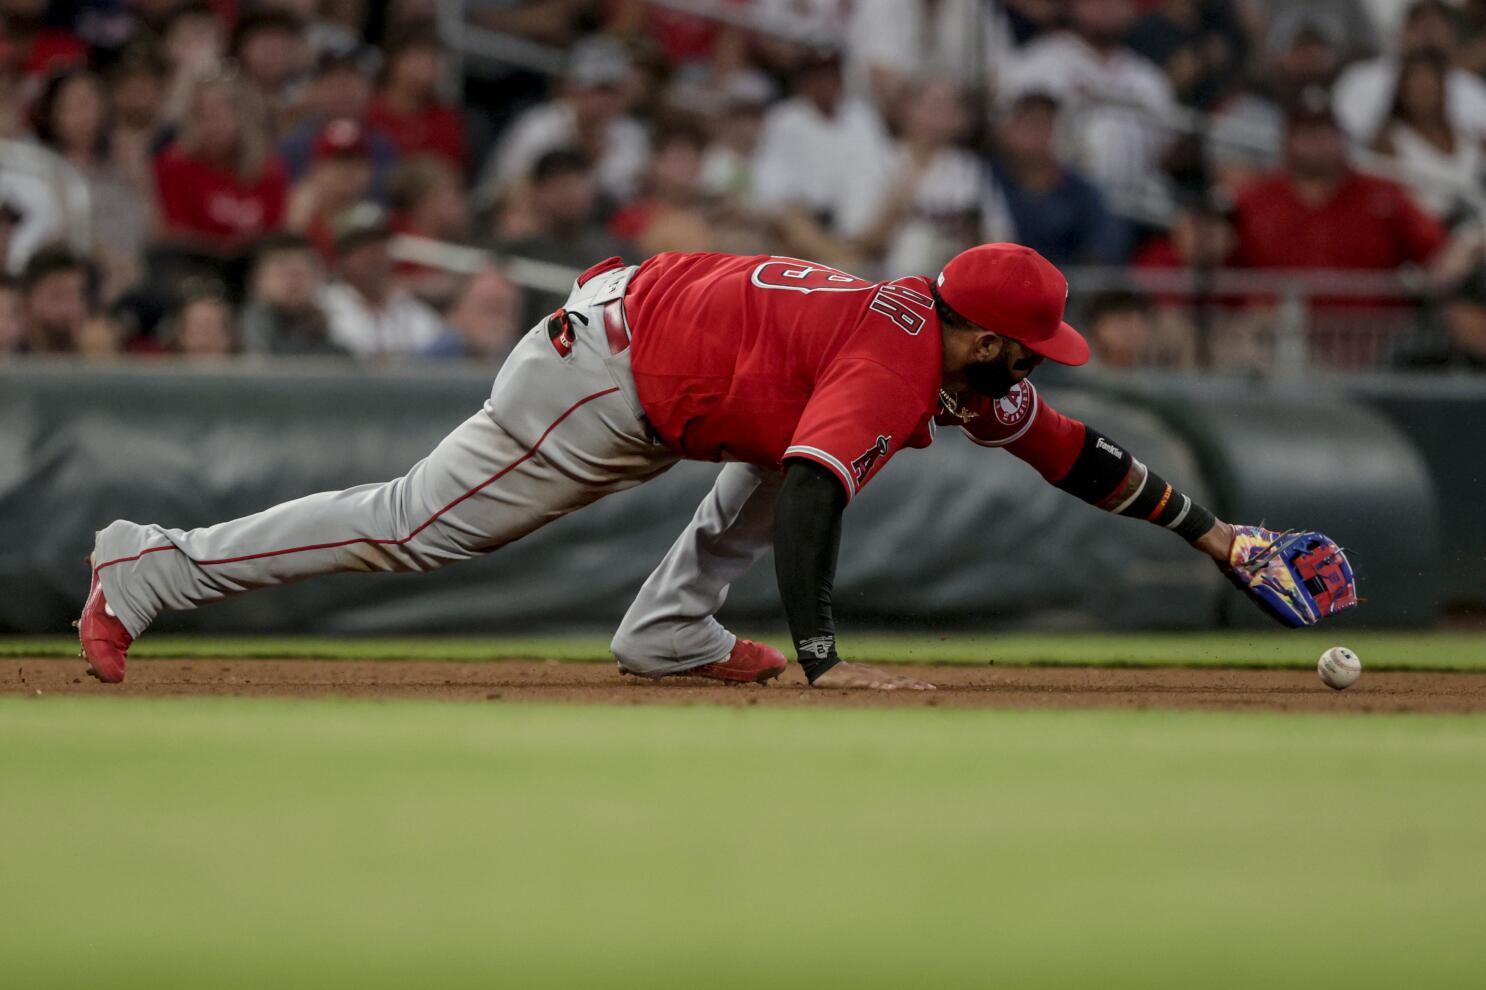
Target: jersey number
(805, 276)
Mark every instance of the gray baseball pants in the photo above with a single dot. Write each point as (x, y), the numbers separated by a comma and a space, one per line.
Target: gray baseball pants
(556, 434)
(671, 625)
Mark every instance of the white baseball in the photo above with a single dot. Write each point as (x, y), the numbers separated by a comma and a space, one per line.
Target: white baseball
(1339, 667)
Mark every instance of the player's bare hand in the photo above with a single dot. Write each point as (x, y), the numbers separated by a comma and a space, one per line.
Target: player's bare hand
(1217, 542)
(856, 675)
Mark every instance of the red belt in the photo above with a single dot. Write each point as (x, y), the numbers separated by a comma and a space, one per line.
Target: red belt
(614, 326)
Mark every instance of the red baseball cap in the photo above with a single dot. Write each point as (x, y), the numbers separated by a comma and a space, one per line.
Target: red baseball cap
(1012, 290)
(343, 138)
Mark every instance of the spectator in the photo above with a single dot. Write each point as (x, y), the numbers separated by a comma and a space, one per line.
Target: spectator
(735, 125)
(705, 89)
(1237, 335)
(282, 314)
(1119, 328)
(1199, 43)
(821, 167)
(341, 89)
(1320, 213)
(72, 118)
(428, 200)
(1248, 125)
(195, 46)
(485, 321)
(339, 179)
(1037, 201)
(587, 115)
(669, 215)
(407, 106)
(1362, 91)
(270, 48)
(57, 290)
(201, 328)
(1441, 164)
(219, 184)
(12, 316)
(1114, 102)
(889, 43)
(136, 84)
(1202, 237)
(370, 314)
(553, 221)
(931, 210)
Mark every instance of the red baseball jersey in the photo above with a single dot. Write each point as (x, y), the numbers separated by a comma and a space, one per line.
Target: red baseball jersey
(761, 359)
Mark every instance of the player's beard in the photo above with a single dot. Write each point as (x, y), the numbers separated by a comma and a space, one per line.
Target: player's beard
(993, 379)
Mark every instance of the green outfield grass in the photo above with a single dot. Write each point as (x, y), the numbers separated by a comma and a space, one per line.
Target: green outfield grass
(1277, 648)
(227, 843)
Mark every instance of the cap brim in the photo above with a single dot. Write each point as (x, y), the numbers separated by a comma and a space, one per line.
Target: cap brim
(1065, 346)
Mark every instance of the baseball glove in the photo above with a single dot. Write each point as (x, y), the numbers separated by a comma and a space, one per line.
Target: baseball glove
(1299, 578)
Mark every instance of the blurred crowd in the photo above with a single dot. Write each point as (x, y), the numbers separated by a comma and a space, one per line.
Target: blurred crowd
(332, 178)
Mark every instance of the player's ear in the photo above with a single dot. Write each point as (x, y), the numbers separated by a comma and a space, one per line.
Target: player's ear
(988, 346)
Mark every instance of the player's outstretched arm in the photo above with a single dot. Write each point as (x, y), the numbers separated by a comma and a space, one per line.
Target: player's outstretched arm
(807, 539)
(1298, 578)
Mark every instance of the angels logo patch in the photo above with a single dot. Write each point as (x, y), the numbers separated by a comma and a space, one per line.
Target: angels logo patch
(862, 466)
(1014, 407)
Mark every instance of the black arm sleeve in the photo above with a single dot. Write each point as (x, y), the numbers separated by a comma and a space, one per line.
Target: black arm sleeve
(1104, 468)
(807, 537)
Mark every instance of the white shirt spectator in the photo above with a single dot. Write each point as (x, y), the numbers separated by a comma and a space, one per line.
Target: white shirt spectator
(1364, 93)
(553, 125)
(1439, 181)
(1114, 106)
(405, 325)
(835, 167)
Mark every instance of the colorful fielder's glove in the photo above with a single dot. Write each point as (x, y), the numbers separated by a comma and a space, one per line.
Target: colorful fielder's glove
(1299, 578)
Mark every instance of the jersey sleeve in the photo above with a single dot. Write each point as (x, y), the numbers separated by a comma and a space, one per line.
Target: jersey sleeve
(1029, 428)
(860, 414)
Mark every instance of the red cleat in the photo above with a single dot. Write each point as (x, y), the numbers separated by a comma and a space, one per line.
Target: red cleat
(104, 639)
(748, 663)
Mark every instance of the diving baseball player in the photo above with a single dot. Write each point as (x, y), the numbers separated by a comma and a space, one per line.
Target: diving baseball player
(808, 379)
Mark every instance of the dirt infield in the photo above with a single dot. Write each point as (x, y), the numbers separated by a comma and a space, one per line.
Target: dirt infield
(959, 686)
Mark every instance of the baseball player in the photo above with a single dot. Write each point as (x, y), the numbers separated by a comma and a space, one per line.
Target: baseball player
(807, 379)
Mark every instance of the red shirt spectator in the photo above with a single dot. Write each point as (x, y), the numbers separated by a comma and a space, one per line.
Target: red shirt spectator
(1367, 222)
(209, 199)
(407, 107)
(1319, 213)
(219, 185)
